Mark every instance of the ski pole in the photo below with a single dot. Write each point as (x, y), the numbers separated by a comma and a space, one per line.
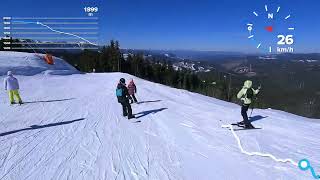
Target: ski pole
(251, 113)
(253, 101)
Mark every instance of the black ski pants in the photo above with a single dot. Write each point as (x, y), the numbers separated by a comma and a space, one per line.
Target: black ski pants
(126, 108)
(244, 110)
(133, 98)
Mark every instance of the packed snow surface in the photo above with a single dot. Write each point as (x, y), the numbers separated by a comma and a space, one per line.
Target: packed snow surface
(72, 127)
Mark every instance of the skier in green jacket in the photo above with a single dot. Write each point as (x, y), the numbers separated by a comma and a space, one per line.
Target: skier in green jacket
(246, 94)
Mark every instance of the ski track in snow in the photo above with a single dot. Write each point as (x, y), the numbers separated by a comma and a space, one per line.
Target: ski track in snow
(182, 141)
(257, 153)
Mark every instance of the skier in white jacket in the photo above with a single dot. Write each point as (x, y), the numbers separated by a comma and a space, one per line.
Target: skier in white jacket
(11, 85)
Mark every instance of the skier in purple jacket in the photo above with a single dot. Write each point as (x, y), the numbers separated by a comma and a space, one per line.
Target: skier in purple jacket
(132, 89)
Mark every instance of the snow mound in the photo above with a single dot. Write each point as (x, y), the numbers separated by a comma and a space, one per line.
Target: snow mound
(29, 64)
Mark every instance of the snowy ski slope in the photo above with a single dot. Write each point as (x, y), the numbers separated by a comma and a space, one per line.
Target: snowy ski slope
(29, 64)
(72, 128)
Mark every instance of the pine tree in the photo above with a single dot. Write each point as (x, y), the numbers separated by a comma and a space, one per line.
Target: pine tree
(104, 64)
(1, 45)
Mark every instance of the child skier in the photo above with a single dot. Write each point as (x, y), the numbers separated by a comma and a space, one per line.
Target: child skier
(123, 98)
(132, 90)
(12, 85)
(246, 94)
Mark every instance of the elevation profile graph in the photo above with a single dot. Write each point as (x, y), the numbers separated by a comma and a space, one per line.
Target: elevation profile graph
(50, 33)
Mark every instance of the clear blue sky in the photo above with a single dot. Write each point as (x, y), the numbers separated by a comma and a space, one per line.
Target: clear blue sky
(181, 24)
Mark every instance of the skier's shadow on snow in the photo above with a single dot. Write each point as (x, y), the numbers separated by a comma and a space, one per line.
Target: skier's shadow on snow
(142, 102)
(33, 127)
(145, 113)
(257, 118)
(48, 101)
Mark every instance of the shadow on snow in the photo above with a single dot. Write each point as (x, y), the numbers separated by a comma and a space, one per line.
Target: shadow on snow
(33, 127)
(145, 113)
(142, 102)
(48, 101)
(257, 118)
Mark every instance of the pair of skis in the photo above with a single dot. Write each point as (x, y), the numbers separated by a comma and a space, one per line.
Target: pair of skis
(239, 126)
(14, 104)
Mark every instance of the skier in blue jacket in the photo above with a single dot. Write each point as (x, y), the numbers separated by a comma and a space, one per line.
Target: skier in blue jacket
(123, 98)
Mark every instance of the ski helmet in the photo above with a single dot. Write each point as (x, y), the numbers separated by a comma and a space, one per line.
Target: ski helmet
(122, 80)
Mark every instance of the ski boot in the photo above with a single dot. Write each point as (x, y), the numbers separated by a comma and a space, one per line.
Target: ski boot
(249, 126)
(131, 117)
